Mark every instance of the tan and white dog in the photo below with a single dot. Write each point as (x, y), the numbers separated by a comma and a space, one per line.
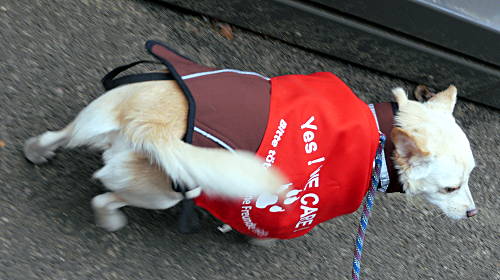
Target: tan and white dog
(144, 153)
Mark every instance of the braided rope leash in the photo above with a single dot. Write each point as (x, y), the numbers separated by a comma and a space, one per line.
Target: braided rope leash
(367, 208)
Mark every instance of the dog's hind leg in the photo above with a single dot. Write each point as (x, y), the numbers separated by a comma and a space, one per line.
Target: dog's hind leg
(134, 182)
(40, 148)
(95, 126)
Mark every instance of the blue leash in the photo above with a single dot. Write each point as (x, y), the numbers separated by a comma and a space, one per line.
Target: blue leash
(367, 208)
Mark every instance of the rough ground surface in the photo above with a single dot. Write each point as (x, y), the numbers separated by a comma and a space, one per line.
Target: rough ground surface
(53, 53)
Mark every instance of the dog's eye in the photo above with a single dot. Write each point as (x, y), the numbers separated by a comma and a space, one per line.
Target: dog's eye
(451, 189)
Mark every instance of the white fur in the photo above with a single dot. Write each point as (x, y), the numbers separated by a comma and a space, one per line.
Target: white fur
(219, 172)
(442, 157)
(137, 162)
(139, 127)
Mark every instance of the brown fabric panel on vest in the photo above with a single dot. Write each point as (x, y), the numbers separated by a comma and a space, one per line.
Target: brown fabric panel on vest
(202, 141)
(232, 107)
(385, 119)
(182, 65)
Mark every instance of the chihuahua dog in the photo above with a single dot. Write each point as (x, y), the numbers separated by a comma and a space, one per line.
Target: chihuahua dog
(140, 127)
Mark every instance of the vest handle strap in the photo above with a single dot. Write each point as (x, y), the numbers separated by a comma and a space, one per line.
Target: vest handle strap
(189, 221)
(109, 82)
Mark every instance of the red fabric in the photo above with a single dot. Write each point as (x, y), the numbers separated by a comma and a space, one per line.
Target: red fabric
(325, 146)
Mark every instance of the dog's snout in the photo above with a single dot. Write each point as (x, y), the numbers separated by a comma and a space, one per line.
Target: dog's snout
(472, 212)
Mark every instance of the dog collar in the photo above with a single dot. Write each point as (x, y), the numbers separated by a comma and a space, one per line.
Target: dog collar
(384, 115)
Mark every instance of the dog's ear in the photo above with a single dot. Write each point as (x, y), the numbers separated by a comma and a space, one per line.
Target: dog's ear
(445, 100)
(400, 95)
(407, 145)
(423, 93)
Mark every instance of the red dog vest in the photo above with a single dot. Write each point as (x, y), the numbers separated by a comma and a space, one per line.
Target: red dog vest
(311, 127)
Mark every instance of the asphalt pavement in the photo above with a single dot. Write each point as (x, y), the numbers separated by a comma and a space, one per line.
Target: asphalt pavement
(53, 54)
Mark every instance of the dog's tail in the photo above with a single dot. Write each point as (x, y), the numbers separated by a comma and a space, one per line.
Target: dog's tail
(216, 171)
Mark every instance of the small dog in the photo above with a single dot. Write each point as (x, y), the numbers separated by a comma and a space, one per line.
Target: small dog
(140, 127)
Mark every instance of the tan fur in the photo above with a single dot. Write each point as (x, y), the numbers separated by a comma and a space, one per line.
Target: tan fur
(432, 152)
(445, 100)
(413, 146)
(140, 127)
(159, 110)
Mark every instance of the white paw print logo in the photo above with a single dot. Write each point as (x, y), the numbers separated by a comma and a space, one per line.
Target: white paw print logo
(267, 199)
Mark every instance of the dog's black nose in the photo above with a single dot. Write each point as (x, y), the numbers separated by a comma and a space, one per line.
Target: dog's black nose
(472, 212)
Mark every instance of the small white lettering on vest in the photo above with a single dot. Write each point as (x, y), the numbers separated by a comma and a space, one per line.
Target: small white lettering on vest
(315, 199)
(247, 200)
(308, 200)
(270, 158)
(302, 223)
(247, 220)
(279, 132)
(309, 124)
(307, 211)
(278, 135)
(308, 136)
(311, 147)
(318, 160)
(313, 181)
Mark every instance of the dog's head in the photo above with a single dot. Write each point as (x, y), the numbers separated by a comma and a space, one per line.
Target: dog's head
(432, 153)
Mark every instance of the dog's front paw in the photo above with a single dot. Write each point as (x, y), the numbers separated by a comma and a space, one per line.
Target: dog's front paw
(35, 152)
